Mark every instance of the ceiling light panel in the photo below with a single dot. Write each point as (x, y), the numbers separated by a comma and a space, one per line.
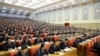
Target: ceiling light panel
(10, 1)
(30, 3)
(21, 2)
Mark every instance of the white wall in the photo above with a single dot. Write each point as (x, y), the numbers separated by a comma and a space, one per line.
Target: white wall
(78, 14)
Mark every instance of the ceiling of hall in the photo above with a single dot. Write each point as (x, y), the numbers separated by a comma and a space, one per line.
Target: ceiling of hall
(36, 6)
(33, 4)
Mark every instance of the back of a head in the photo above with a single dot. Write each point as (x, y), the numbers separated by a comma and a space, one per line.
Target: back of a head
(42, 45)
(23, 47)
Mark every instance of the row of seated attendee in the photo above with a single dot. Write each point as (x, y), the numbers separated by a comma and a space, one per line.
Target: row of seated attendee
(96, 48)
(42, 51)
(55, 48)
(27, 41)
(32, 41)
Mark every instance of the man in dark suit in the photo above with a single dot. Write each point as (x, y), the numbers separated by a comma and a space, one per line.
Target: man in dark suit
(26, 42)
(96, 48)
(41, 51)
(63, 44)
(47, 39)
(23, 51)
(9, 44)
(77, 41)
(37, 40)
(54, 48)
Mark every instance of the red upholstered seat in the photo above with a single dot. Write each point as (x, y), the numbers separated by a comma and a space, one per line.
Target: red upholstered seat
(89, 46)
(33, 50)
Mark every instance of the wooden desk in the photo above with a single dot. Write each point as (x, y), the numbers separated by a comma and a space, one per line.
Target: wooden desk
(4, 53)
(81, 50)
(72, 52)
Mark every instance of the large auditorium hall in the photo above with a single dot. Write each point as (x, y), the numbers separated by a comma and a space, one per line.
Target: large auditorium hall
(49, 27)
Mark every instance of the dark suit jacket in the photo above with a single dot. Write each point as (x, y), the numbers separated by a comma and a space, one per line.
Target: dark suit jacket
(19, 54)
(63, 45)
(41, 52)
(26, 43)
(54, 48)
(96, 48)
(37, 41)
(76, 42)
(7, 45)
(46, 39)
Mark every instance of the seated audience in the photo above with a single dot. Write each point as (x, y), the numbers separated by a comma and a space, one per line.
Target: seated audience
(42, 51)
(26, 42)
(63, 44)
(77, 41)
(54, 48)
(96, 48)
(23, 51)
(9, 44)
